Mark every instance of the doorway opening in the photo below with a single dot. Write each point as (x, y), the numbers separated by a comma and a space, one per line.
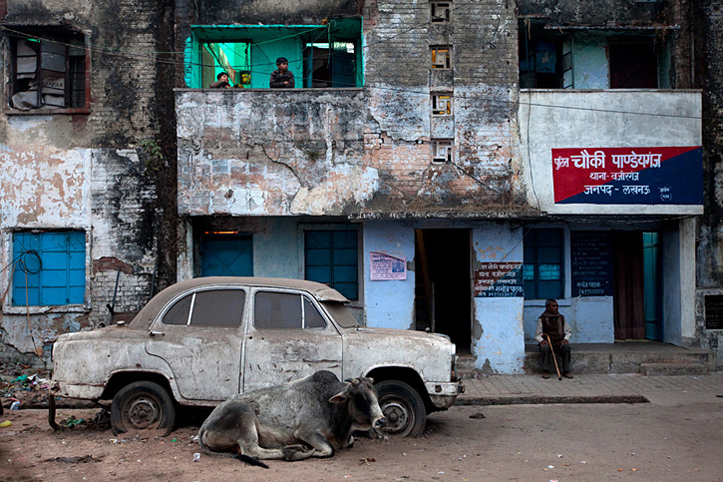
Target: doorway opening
(638, 286)
(442, 291)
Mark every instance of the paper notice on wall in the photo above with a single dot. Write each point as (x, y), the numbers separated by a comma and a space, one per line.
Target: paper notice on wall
(387, 267)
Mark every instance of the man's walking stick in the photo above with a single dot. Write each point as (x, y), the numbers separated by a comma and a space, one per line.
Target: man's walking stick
(554, 358)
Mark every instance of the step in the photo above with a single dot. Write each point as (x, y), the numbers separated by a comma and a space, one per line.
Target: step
(596, 359)
(671, 369)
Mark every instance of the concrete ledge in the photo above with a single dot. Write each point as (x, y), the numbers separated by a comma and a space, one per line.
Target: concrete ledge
(540, 399)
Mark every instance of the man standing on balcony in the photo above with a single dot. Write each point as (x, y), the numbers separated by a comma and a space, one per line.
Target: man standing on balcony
(552, 328)
(281, 78)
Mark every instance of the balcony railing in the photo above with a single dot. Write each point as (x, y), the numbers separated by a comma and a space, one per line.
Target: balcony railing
(270, 152)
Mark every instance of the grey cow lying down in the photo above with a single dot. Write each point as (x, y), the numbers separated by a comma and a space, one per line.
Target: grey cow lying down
(309, 417)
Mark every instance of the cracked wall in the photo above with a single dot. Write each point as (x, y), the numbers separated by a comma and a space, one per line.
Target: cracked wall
(265, 153)
(483, 176)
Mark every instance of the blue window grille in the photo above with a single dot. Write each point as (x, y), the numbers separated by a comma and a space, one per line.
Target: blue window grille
(542, 272)
(49, 268)
(331, 258)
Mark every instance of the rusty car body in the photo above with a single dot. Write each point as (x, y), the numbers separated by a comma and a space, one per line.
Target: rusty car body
(200, 341)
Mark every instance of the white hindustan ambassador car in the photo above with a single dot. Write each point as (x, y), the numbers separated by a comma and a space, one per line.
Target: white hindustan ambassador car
(201, 341)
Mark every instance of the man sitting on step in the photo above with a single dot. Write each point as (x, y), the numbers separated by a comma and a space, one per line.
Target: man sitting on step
(552, 327)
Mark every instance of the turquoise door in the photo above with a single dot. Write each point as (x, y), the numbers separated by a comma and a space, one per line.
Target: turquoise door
(652, 283)
(227, 255)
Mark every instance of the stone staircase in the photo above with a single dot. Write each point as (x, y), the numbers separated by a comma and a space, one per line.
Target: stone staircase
(647, 358)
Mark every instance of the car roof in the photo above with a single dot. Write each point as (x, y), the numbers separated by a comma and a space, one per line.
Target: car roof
(145, 317)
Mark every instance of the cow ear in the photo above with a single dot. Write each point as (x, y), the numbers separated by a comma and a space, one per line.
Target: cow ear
(340, 397)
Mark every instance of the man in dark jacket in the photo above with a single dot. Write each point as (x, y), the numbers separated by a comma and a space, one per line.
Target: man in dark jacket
(281, 78)
(221, 82)
(555, 329)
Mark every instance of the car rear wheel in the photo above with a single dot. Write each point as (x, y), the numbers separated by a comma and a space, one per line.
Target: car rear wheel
(402, 407)
(142, 406)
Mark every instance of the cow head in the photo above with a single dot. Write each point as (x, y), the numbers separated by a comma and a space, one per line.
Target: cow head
(364, 406)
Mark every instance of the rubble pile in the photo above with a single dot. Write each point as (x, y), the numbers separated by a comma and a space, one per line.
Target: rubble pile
(21, 387)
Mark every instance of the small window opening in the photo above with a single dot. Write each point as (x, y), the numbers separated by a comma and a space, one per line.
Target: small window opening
(442, 151)
(442, 104)
(48, 70)
(440, 12)
(441, 58)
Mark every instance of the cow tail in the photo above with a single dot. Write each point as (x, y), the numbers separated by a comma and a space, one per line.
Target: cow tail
(251, 460)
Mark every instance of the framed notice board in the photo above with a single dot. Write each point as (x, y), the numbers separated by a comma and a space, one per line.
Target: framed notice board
(714, 312)
(591, 254)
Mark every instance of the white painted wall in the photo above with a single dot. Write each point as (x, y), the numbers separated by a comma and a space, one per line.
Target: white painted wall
(603, 118)
(679, 283)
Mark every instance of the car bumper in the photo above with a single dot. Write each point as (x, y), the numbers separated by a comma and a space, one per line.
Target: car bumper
(443, 394)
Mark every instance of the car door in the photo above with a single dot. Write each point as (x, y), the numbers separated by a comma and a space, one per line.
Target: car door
(287, 337)
(200, 336)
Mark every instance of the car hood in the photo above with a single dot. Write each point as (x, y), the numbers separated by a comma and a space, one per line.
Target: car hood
(430, 354)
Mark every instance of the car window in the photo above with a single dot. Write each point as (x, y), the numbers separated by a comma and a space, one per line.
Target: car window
(277, 311)
(223, 308)
(312, 317)
(178, 314)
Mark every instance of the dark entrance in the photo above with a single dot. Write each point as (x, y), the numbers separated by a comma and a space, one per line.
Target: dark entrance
(638, 286)
(442, 292)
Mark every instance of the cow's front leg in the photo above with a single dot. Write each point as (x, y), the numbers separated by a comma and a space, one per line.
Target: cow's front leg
(321, 446)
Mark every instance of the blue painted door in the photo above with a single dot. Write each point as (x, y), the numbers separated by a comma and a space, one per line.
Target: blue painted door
(227, 255)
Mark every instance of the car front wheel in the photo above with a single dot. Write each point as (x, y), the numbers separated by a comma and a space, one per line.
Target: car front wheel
(402, 407)
(142, 406)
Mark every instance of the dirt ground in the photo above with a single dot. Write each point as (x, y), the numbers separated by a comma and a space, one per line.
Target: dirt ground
(591, 442)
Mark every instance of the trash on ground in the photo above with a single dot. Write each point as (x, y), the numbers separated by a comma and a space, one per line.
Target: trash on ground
(6, 423)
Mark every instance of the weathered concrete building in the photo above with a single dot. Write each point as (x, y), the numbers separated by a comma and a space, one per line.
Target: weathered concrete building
(82, 204)
(445, 165)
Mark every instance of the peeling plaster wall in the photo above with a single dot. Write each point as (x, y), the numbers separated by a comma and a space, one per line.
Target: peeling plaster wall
(497, 327)
(94, 190)
(87, 171)
(260, 152)
(485, 174)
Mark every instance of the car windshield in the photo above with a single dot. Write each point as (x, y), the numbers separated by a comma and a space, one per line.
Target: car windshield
(341, 314)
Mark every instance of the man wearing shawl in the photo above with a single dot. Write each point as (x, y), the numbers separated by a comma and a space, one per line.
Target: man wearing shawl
(553, 324)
